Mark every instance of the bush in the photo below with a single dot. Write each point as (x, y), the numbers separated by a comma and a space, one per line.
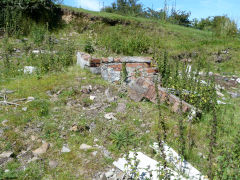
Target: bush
(41, 107)
(180, 18)
(88, 47)
(38, 34)
(13, 14)
(220, 25)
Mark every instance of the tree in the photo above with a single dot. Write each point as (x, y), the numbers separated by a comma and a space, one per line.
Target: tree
(14, 13)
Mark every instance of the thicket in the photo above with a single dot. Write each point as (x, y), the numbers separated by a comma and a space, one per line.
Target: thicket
(220, 25)
(133, 8)
(16, 17)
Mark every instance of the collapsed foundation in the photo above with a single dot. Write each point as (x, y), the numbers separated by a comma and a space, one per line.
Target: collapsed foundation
(140, 78)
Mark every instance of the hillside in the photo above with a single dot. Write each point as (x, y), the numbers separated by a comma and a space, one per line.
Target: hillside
(59, 121)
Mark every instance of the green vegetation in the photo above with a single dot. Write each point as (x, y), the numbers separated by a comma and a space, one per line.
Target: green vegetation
(209, 142)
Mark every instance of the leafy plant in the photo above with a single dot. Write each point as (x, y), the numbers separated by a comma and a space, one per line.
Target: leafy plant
(88, 47)
(122, 138)
(41, 107)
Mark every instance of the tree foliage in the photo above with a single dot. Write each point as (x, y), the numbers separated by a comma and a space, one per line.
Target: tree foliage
(220, 25)
(16, 15)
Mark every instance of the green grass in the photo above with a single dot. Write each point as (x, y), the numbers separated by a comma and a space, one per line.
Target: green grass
(132, 36)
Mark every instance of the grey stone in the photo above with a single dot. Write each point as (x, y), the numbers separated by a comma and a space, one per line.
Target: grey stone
(25, 156)
(94, 153)
(24, 109)
(53, 164)
(80, 61)
(1, 132)
(29, 99)
(65, 149)
(41, 150)
(109, 74)
(85, 147)
(92, 127)
(234, 95)
(121, 108)
(110, 116)
(29, 69)
(135, 59)
(7, 154)
(109, 174)
(95, 70)
(103, 177)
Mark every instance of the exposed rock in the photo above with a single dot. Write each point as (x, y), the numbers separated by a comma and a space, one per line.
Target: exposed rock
(53, 164)
(41, 150)
(110, 173)
(36, 51)
(110, 116)
(29, 69)
(109, 95)
(238, 80)
(7, 154)
(29, 99)
(4, 122)
(220, 102)
(103, 177)
(74, 128)
(33, 138)
(1, 132)
(121, 108)
(92, 98)
(25, 156)
(65, 149)
(92, 127)
(78, 128)
(234, 95)
(33, 159)
(86, 89)
(220, 94)
(24, 109)
(94, 153)
(85, 147)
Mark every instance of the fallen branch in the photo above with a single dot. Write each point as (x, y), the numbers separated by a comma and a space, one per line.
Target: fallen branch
(8, 103)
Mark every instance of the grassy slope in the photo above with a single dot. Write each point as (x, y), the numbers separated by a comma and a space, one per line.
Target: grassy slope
(157, 36)
(82, 165)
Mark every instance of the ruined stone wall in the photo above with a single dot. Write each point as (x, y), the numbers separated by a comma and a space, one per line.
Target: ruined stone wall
(140, 77)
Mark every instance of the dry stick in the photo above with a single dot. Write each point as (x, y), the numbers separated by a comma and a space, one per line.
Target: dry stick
(8, 103)
(163, 127)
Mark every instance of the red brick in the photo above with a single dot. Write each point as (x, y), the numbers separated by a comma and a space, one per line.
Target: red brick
(105, 60)
(151, 93)
(116, 67)
(151, 70)
(117, 60)
(135, 65)
(86, 57)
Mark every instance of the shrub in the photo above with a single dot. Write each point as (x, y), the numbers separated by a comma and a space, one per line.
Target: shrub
(13, 14)
(123, 138)
(41, 107)
(88, 47)
(180, 17)
(220, 25)
(38, 34)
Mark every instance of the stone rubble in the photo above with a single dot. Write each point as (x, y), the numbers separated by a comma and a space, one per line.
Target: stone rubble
(65, 149)
(85, 147)
(41, 150)
(140, 78)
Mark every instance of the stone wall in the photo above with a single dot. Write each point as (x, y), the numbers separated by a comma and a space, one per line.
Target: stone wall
(140, 77)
